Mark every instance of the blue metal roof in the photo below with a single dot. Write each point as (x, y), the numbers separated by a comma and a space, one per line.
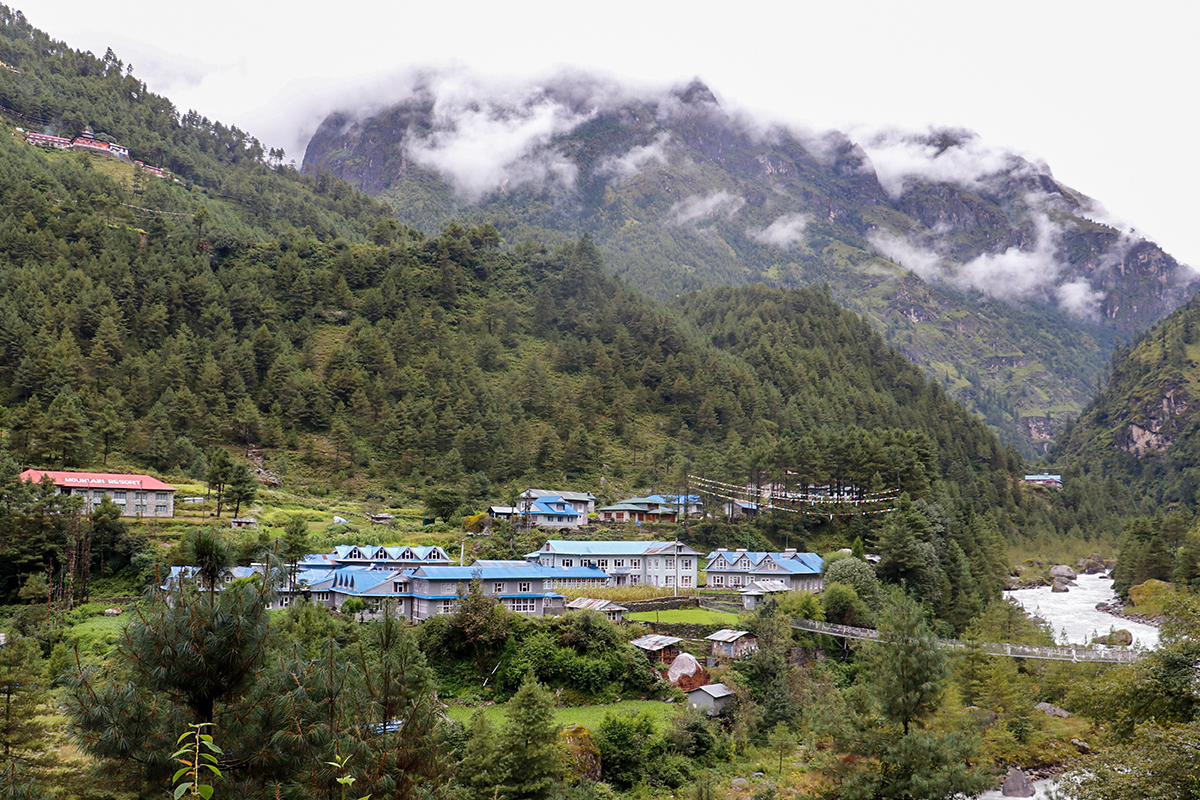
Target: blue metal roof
(570, 547)
(793, 563)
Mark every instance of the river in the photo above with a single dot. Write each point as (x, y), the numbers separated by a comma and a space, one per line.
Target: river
(1073, 616)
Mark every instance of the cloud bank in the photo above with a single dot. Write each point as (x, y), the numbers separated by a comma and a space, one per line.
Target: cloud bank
(632, 162)
(1013, 275)
(958, 157)
(486, 137)
(783, 233)
(693, 209)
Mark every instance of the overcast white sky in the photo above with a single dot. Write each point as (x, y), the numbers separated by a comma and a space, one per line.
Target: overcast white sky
(1103, 92)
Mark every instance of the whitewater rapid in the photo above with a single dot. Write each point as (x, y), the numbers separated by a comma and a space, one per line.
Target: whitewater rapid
(1073, 616)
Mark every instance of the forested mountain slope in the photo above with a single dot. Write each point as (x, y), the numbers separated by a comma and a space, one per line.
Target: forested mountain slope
(157, 318)
(1143, 428)
(974, 263)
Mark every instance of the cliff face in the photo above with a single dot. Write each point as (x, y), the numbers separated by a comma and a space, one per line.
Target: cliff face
(1144, 428)
(976, 264)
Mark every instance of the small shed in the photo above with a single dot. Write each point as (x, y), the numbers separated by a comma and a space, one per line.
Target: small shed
(608, 608)
(728, 643)
(657, 647)
(382, 518)
(244, 522)
(755, 591)
(712, 697)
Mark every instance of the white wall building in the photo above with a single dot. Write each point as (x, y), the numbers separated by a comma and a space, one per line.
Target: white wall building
(669, 564)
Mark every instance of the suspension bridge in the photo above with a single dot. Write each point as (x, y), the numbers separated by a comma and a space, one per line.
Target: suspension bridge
(1077, 654)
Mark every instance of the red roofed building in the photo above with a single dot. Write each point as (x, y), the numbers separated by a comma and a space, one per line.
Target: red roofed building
(135, 495)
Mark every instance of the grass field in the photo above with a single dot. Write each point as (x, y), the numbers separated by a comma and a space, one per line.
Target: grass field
(694, 616)
(588, 716)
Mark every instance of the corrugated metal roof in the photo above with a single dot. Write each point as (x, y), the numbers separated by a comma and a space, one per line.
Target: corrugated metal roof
(726, 635)
(792, 563)
(714, 690)
(570, 547)
(765, 587)
(595, 604)
(655, 642)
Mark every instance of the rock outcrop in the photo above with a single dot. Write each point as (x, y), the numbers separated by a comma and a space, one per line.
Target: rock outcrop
(1017, 784)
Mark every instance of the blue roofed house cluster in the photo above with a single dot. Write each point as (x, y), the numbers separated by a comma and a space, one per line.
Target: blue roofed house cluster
(737, 569)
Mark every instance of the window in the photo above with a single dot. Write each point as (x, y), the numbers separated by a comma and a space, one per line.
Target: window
(618, 562)
(522, 605)
(634, 579)
(718, 580)
(119, 497)
(161, 497)
(498, 587)
(139, 509)
(523, 587)
(635, 563)
(603, 563)
(139, 495)
(670, 580)
(686, 563)
(447, 606)
(568, 562)
(160, 509)
(670, 563)
(686, 580)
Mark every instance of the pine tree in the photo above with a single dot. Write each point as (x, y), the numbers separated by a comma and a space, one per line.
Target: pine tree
(905, 673)
(22, 697)
(243, 488)
(907, 669)
(534, 757)
(220, 471)
(295, 545)
(481, 767)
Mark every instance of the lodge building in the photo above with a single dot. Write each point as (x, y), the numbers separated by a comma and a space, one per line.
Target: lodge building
(135, 495)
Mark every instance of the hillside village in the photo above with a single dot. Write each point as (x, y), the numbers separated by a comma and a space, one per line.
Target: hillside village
(273, 458)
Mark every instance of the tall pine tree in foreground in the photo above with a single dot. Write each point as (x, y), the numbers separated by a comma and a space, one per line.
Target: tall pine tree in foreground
(907, 757)
(534, 756)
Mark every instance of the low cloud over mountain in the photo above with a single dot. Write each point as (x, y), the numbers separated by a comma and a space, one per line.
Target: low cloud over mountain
(913, 228)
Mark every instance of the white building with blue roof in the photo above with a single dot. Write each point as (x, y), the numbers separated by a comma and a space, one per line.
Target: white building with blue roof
(395, 556)
(519, 587)
(666, 564)
(372, 585)
(737, 569)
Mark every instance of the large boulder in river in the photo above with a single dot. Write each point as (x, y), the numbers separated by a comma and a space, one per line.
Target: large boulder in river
(1094, 564)
(1060, 585)
(1119, 638)
(1063, 571)
(1017, 784)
